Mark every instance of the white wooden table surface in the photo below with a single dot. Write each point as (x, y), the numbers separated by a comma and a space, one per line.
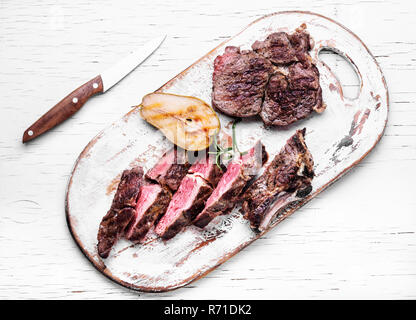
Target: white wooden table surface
(355, 240)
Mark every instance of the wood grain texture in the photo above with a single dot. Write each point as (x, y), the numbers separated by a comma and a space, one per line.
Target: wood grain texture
(64, 108)
(356, 240)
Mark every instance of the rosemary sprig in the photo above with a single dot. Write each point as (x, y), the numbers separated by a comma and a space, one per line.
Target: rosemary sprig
(229, 152)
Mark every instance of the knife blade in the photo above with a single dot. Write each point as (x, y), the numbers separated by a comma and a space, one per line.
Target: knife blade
(100, 84)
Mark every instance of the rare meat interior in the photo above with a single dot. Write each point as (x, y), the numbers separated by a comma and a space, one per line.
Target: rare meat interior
(225, 196)
(143, 202)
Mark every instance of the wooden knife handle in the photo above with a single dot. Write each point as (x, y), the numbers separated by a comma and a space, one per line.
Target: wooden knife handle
(64, 109)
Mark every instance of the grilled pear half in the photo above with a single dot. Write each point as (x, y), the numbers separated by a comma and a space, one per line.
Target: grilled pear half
(188, 122)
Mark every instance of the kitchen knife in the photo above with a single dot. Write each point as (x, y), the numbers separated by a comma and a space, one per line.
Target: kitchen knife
(100, 84)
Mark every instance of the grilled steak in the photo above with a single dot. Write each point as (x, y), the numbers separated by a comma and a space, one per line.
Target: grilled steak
(282, 48)
(239, 80)
(151, 205)
(207, 169)
(190, 198)
(170, 169)
(277, 48)
(185, 204)
(128, 188)
(303, 76)
(121, 212)
(244, 84)
(293, 97)
(301, 43)
(226, 194)
(289, 175)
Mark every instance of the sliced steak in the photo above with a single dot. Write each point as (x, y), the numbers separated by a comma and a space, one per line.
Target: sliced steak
(239, 80)
(282, 49)
(186, 203)
(151, 205)
(191, 196)
(207, 169)
(128, 188)
(288, 175)
(111, 229)
(226, 194)
(293, 97)
(121, 212)
(170, 169)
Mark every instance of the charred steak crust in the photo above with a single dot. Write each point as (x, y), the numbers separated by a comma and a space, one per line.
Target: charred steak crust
(282, 49)
(303, 76)
(239, 80)
(291, 171)
(293, 97)
(121, 212)
(171, 169)
(138, 230)
(175, 176)
(301, 43)
(111, 229)
(215, 175)
(128, 188)
(277, 48)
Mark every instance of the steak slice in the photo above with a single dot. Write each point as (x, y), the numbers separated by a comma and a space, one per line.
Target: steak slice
(170, 169)
(226, 194)
(293, 97)
(151, 205)
(207, 169)
(111, 228)
(190, 198)
(239, 80)
(282, 49)
(186, 203)
(287, 177)
(128, 188)
(121, 212)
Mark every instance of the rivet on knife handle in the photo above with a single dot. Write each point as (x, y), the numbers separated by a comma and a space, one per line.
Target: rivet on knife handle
(64, 109)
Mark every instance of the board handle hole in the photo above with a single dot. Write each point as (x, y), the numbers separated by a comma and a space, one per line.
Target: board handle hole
(344, 70)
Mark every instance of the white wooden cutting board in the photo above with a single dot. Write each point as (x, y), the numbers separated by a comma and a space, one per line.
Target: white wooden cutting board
(162, 266)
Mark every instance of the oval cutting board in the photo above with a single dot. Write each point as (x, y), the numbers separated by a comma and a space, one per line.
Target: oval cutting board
(338, 139)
